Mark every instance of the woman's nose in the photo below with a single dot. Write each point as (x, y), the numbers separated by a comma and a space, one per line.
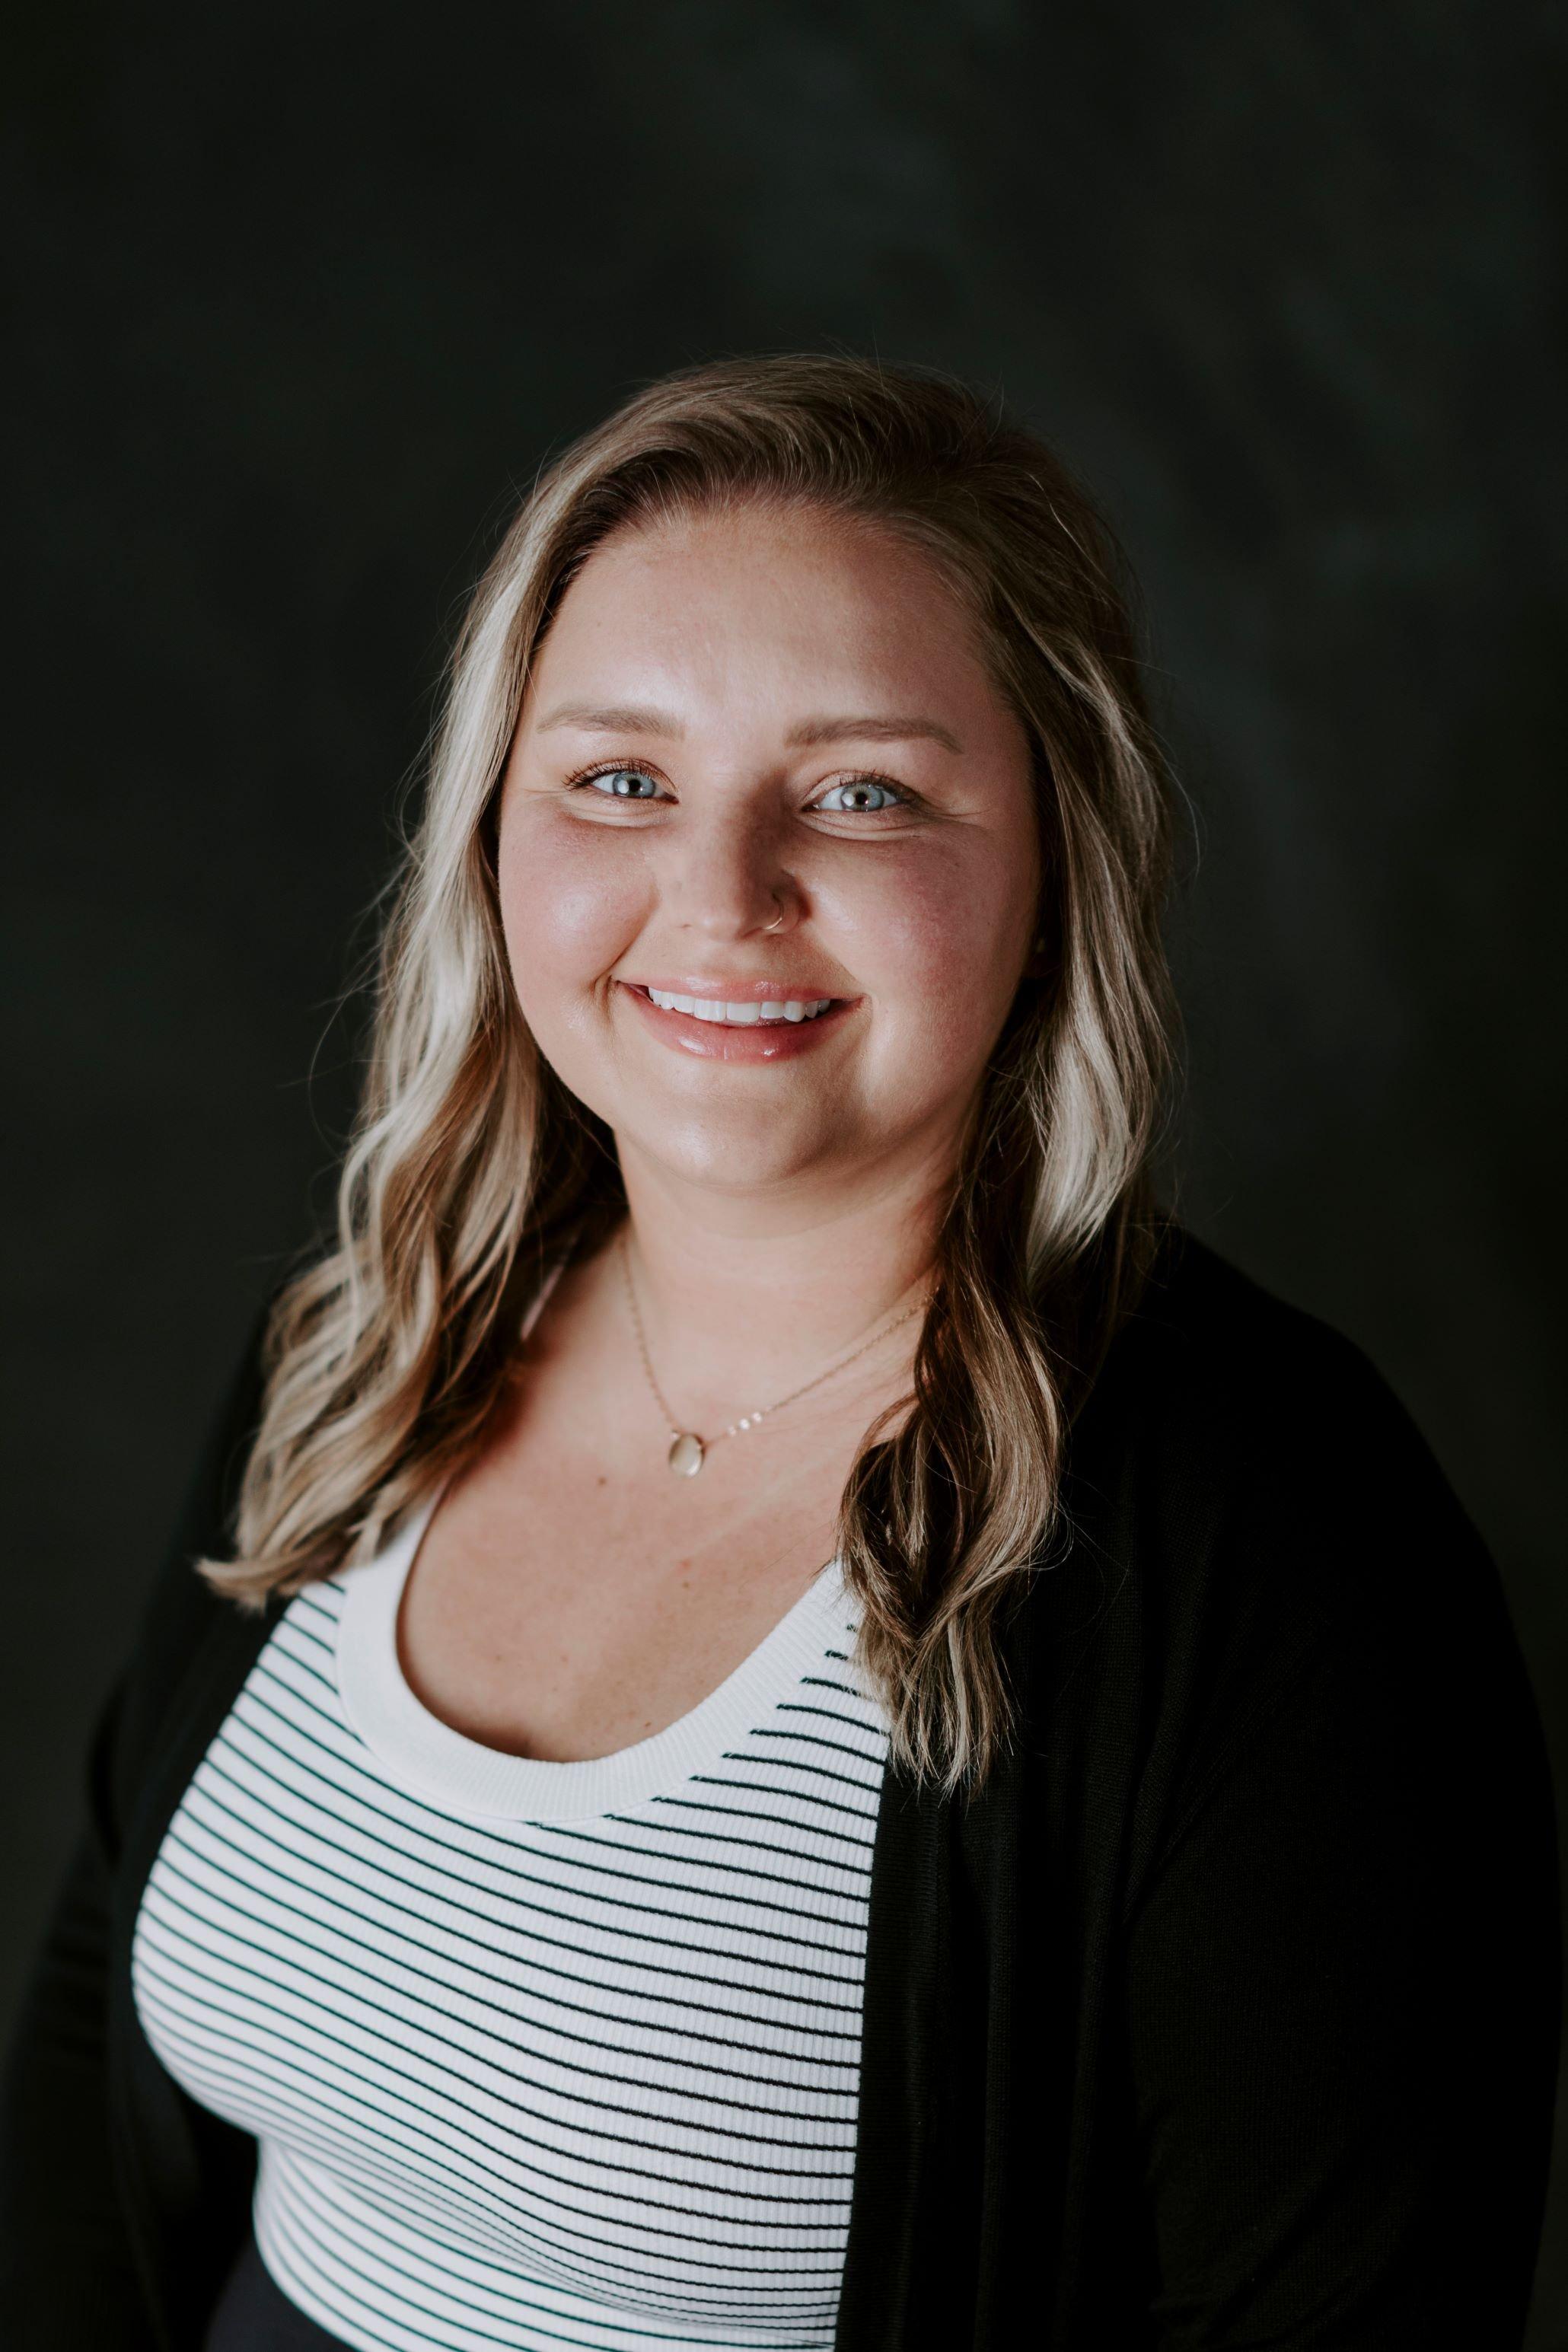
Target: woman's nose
(727, 880)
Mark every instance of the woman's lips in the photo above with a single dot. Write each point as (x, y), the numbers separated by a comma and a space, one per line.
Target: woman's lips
(755, 1041)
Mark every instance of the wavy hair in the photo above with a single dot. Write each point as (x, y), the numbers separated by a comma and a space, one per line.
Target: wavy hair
(471, 1168)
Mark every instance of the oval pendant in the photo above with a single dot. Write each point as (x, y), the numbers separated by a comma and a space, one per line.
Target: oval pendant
(686, 1454)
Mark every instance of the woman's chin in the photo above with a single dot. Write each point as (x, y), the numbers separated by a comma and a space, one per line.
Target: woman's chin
(733, 1161)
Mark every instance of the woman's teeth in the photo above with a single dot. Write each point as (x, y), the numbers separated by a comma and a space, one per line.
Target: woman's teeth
(705, 1008)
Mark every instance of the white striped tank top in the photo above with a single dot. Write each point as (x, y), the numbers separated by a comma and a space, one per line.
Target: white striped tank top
(546, 2056)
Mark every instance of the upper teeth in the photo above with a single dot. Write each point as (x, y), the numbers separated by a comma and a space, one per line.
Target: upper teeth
(713, 1008)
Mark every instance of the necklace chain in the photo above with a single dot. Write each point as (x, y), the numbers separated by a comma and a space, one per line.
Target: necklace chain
(687, 1452)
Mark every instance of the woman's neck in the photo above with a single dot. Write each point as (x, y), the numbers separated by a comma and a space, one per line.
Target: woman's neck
(753, 1298)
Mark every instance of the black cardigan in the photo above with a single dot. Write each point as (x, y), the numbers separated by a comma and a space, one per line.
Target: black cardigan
(1226, 2017)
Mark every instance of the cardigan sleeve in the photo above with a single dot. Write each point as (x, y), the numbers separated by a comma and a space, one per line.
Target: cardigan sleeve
(69, 2281)
(1343, 1976)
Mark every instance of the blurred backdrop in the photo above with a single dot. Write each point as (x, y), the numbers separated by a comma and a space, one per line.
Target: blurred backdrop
(302, 296)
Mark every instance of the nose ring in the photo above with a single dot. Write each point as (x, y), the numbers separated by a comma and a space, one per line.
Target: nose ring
(776, 921)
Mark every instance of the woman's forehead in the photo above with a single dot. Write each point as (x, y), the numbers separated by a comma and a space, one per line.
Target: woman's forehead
(782, 605)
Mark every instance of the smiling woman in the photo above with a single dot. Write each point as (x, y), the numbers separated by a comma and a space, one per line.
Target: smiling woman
(980, 1854)
(736, 852)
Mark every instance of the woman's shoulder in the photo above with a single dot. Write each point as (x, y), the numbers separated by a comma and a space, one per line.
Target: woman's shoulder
(1263, 1580)
(183, 1619)
(1245, 1479)
(1224, 1375)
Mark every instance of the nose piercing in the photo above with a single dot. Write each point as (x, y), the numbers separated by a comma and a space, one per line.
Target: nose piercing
(776, 921)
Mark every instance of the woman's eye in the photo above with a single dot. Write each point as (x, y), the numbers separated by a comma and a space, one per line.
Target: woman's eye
(862, 796)
(622, 783)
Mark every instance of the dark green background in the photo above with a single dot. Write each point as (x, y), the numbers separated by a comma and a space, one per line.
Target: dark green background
(299, 297)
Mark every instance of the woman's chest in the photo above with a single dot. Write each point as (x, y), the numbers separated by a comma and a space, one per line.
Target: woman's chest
(598, 2066)
(560, 1611)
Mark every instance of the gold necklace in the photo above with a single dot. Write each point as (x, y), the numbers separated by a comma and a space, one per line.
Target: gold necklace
(688, 1452)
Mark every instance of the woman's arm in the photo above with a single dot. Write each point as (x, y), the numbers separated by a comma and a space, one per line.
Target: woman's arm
(1344, 1983)
(68, 2276)
(67, 2281)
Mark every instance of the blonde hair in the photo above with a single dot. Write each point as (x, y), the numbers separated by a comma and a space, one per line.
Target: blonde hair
(471, 1168)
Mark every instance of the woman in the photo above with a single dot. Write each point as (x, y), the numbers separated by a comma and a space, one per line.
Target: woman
(530, 1900)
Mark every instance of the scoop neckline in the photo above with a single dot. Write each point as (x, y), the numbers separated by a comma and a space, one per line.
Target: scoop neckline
(436, 1761)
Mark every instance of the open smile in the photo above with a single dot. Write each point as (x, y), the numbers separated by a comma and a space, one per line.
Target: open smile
(770, 1029)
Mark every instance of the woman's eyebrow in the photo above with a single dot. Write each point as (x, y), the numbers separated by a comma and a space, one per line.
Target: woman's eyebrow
(620, 718)
(866, 730)
(626, 718)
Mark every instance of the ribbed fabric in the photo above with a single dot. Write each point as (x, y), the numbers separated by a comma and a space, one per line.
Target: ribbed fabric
(537, 2055)
(1225, 2013)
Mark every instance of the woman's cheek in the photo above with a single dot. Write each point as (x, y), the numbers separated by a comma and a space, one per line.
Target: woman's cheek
(958, 946)
(568, 915)
(935, 940)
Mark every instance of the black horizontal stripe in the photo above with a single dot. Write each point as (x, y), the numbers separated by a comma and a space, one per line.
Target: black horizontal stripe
(749, 2073)
(303, 1628)
(716, 2041)
(750, 1813)
(517, 1974)
(290, 1958)
(626, 2217)
(475, 1829)
(826, 1837)
(620, 2106)
(439, 2088)
(740, 1869)
(343, 2301)
(851, 1720)
(499, 2061)
(533, 1878)
(838, 1746)
(410, 1802)
(211, 1768)
(702, 1895)
(761, 1846)
(762, 1788)
(822, 1775)
(326, 1675)
(365, 2225)
(509, 1870)
(299, 2123)
(294, 2103)
(384, 1813)
(307, 2278)
(281, 2107)
(387, 2253)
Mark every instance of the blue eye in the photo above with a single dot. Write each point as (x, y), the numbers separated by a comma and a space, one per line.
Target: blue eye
(622, 783)
(861, 804)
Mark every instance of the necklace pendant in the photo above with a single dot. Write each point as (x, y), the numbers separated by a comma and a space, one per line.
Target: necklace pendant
(686, 1454)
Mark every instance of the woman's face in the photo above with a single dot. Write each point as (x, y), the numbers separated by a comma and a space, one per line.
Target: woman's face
(761, 764)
